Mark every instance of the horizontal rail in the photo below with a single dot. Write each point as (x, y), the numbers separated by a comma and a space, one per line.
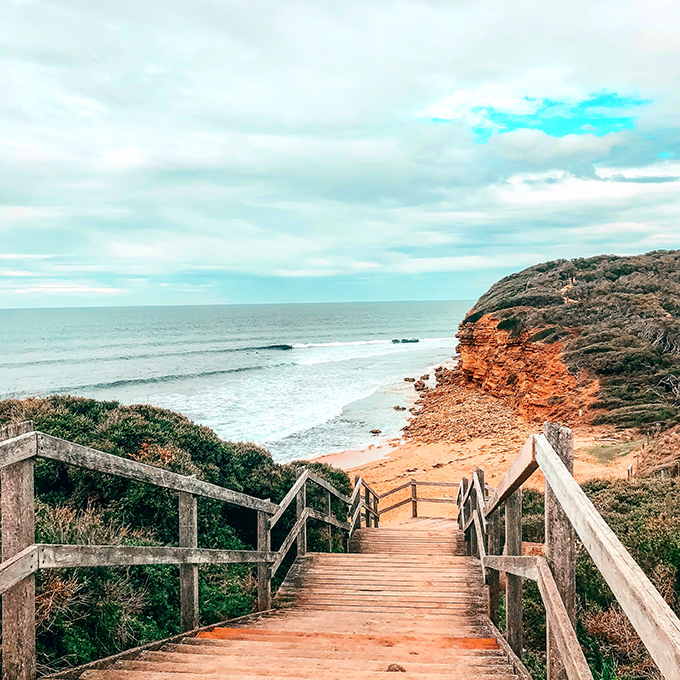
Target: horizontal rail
(524, 566)
(60, 556)
(652, 618)
(370, 489)
(448, 484)
(396, 488)
(521, 469)
(288, 498)
(18, 448)
(108, 463)
(328, 519)
(396, 505)
(328, 486)
(17, 568)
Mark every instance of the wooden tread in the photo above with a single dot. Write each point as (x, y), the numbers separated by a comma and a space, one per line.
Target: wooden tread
(407, 599)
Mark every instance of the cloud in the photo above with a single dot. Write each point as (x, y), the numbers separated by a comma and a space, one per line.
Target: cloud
(234, 151)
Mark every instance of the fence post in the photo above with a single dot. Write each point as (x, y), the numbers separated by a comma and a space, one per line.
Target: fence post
(376, 517)
(301, 505)
(560, 545)
(414, 499)
(18, 603)
(188, 573)
(513, 591)
(264, 570)
(357, 479)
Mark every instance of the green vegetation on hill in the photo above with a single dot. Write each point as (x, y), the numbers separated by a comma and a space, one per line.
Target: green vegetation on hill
(619, 318)
(85, 614)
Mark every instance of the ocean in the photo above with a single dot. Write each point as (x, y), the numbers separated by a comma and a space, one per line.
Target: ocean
(299, 379)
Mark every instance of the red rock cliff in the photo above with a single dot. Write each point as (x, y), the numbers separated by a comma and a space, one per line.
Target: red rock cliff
(532, 374)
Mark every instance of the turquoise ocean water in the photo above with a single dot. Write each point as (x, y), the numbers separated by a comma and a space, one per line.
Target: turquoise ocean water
(300, 379)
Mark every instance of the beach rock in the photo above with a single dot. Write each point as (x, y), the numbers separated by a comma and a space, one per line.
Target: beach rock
(425, 377)
(399, 408)
(409, 379)
(395, 341)
(376, 432)
(420, 386)
(395, 668)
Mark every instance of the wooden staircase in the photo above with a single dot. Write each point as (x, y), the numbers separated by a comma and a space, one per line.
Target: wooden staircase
(406, 599)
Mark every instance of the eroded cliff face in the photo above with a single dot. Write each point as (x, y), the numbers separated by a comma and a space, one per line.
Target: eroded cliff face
(529, 372)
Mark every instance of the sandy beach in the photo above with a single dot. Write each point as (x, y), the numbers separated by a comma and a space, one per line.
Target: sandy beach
(455, 429)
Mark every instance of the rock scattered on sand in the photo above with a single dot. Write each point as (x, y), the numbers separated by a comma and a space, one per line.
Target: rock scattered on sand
(409, 379)
(420, 386)
(399, 408)
(395, 668)
(376, 431)
(425, 377)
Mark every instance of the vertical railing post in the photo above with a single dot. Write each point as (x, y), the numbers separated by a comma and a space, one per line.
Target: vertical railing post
(493, 577)
(264, 570)
(18, 603)
(367, 505)
(301, 505)
(414, 499)
(376, 517)
(330, 526)
(188, 573)
(560, 545)
(462, 513)
(513, 591)
(357, 481)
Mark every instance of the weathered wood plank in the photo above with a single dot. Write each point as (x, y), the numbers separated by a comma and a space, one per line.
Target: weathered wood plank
(571, 654)
(453, 485)
(462, 517)
(521, 469)
(301, 507)
(328, 519)
(517, 565)
(425, 499)
(480, 496)
(356, 518)
(52, 556)
(188, 573)
(492, 576)
(328, 486)
(91, 459)
(288, 498)
(396, 488)
(17, 568)
(480, 541)
(513, 590)
(560, 546)
(650, 615)
(288, 541)
(516, 663)
(264, 572)
(18, 602)
(414, 499)
(18, 448)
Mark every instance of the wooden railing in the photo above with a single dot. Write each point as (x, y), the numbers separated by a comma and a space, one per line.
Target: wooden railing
(568, 512)
(414, 498)
(20, 445)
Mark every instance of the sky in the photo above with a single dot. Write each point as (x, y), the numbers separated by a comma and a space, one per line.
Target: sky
(212, 151)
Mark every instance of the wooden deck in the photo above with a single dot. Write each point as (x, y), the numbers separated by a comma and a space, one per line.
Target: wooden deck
(407, 599)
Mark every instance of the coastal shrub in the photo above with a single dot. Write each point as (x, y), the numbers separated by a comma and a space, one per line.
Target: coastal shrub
(85, 614)
(645, 515)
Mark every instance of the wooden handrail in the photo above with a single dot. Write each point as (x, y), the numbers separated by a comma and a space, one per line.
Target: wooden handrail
(19, 443)
(651, 617)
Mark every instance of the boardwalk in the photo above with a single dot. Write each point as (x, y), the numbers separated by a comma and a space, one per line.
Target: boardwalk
(405, 600)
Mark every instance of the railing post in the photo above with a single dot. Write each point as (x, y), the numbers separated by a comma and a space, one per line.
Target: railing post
(462, 514)
(301, 505)
(376, 517)
(357, 481)
(330, 526)
(513, 591)
(414, 499)
(18, 603)
(560, 545)
(493, 577)
(367, 503)
(264, 570)
(188, 573)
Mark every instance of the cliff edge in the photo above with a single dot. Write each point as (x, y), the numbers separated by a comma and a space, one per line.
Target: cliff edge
(585, 340)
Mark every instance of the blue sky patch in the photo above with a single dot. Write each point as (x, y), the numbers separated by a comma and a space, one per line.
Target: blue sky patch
(599, 114)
